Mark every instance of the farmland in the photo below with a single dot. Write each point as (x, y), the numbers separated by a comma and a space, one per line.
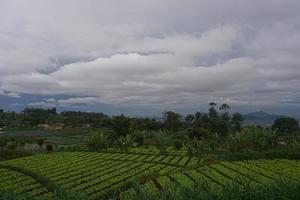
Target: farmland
(97, 174)
(93, 156)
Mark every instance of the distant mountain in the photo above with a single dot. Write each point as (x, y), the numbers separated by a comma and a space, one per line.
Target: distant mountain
(261, 118)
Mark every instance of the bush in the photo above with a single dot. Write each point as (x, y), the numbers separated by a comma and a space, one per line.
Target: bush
(199, 133)
(12, 154)
(138, 137)
(285, 125)
(196, 147)
(40, 141)
(97, 141)
(289, 153)
(177, 144)
(252, 139)
(12, 146)
(161, 142)
(3, 141)
(49, 147)
(125, 142)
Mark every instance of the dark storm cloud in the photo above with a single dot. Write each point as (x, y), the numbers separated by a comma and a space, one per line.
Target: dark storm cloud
(151, 54)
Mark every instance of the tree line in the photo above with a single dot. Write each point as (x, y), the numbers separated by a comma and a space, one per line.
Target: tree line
(199, 132)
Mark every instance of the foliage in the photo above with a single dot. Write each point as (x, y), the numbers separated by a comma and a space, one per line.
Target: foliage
(12, 145)
(3, 141)
(125, 142)
(289, 153)
(178, 144)
(161, 141)
(98, 141)
(252, 139)
(98, 173)
(285, 125)
(121, 125)
(49, 147)
(7, 195)
(81, 119)
(138, 137)
(203, 191)
(236, 122)
(172, 121)
(40, 141)
(198, 133)
(12, 154)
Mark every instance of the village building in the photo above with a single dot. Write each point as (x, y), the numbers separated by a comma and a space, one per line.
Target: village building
(51, 126)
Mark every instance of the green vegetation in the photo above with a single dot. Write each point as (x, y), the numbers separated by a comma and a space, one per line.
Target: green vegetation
(100, 175)
(261, 179)
(79, 155)
(94, 174)
(202, 191)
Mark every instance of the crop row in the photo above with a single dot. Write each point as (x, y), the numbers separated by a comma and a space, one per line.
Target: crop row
(95, 173)
(24, 186)
(60, 162)
(252, 173)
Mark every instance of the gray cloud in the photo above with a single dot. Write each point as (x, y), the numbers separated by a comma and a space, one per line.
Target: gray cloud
(150, 53)
(69, 102)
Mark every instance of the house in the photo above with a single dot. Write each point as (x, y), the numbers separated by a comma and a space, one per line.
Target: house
(2, 131)
(51, 126)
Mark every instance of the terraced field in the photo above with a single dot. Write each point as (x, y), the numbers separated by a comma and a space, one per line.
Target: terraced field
(221, 174)
(24, 185)
(92, 173)
(99, 174)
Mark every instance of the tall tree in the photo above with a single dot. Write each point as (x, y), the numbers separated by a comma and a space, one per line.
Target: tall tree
(224, 107)
(198, 115)
(286, 125)
(212, 112)
(236, 122)
(212, 104)
(172, 121)
(121, 125)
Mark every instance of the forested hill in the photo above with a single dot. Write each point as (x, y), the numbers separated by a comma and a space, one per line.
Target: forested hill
(261, 118)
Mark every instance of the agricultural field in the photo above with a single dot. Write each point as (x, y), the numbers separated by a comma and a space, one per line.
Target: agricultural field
(99, 175)
(94, 174)
(217, 176)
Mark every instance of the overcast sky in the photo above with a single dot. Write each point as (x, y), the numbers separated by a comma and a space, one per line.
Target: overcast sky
(142, 57)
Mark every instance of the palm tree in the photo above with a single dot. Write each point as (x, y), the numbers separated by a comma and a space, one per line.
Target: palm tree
(212, 111)
(224, 107)
(212, 104)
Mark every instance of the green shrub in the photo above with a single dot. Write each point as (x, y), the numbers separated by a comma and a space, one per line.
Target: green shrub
(289, 153)
(178, 144)
(252, 139)
(161, 141)
(49, 147)
(98, 141)
(3, 141)
(138, 137)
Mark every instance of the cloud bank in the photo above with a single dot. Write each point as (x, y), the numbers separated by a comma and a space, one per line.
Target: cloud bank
(168, 54)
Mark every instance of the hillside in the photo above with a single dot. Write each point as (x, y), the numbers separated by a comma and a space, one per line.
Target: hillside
(261, 118)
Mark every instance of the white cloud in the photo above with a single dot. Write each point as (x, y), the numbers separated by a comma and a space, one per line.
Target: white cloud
(139, 79)
(167, 53)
